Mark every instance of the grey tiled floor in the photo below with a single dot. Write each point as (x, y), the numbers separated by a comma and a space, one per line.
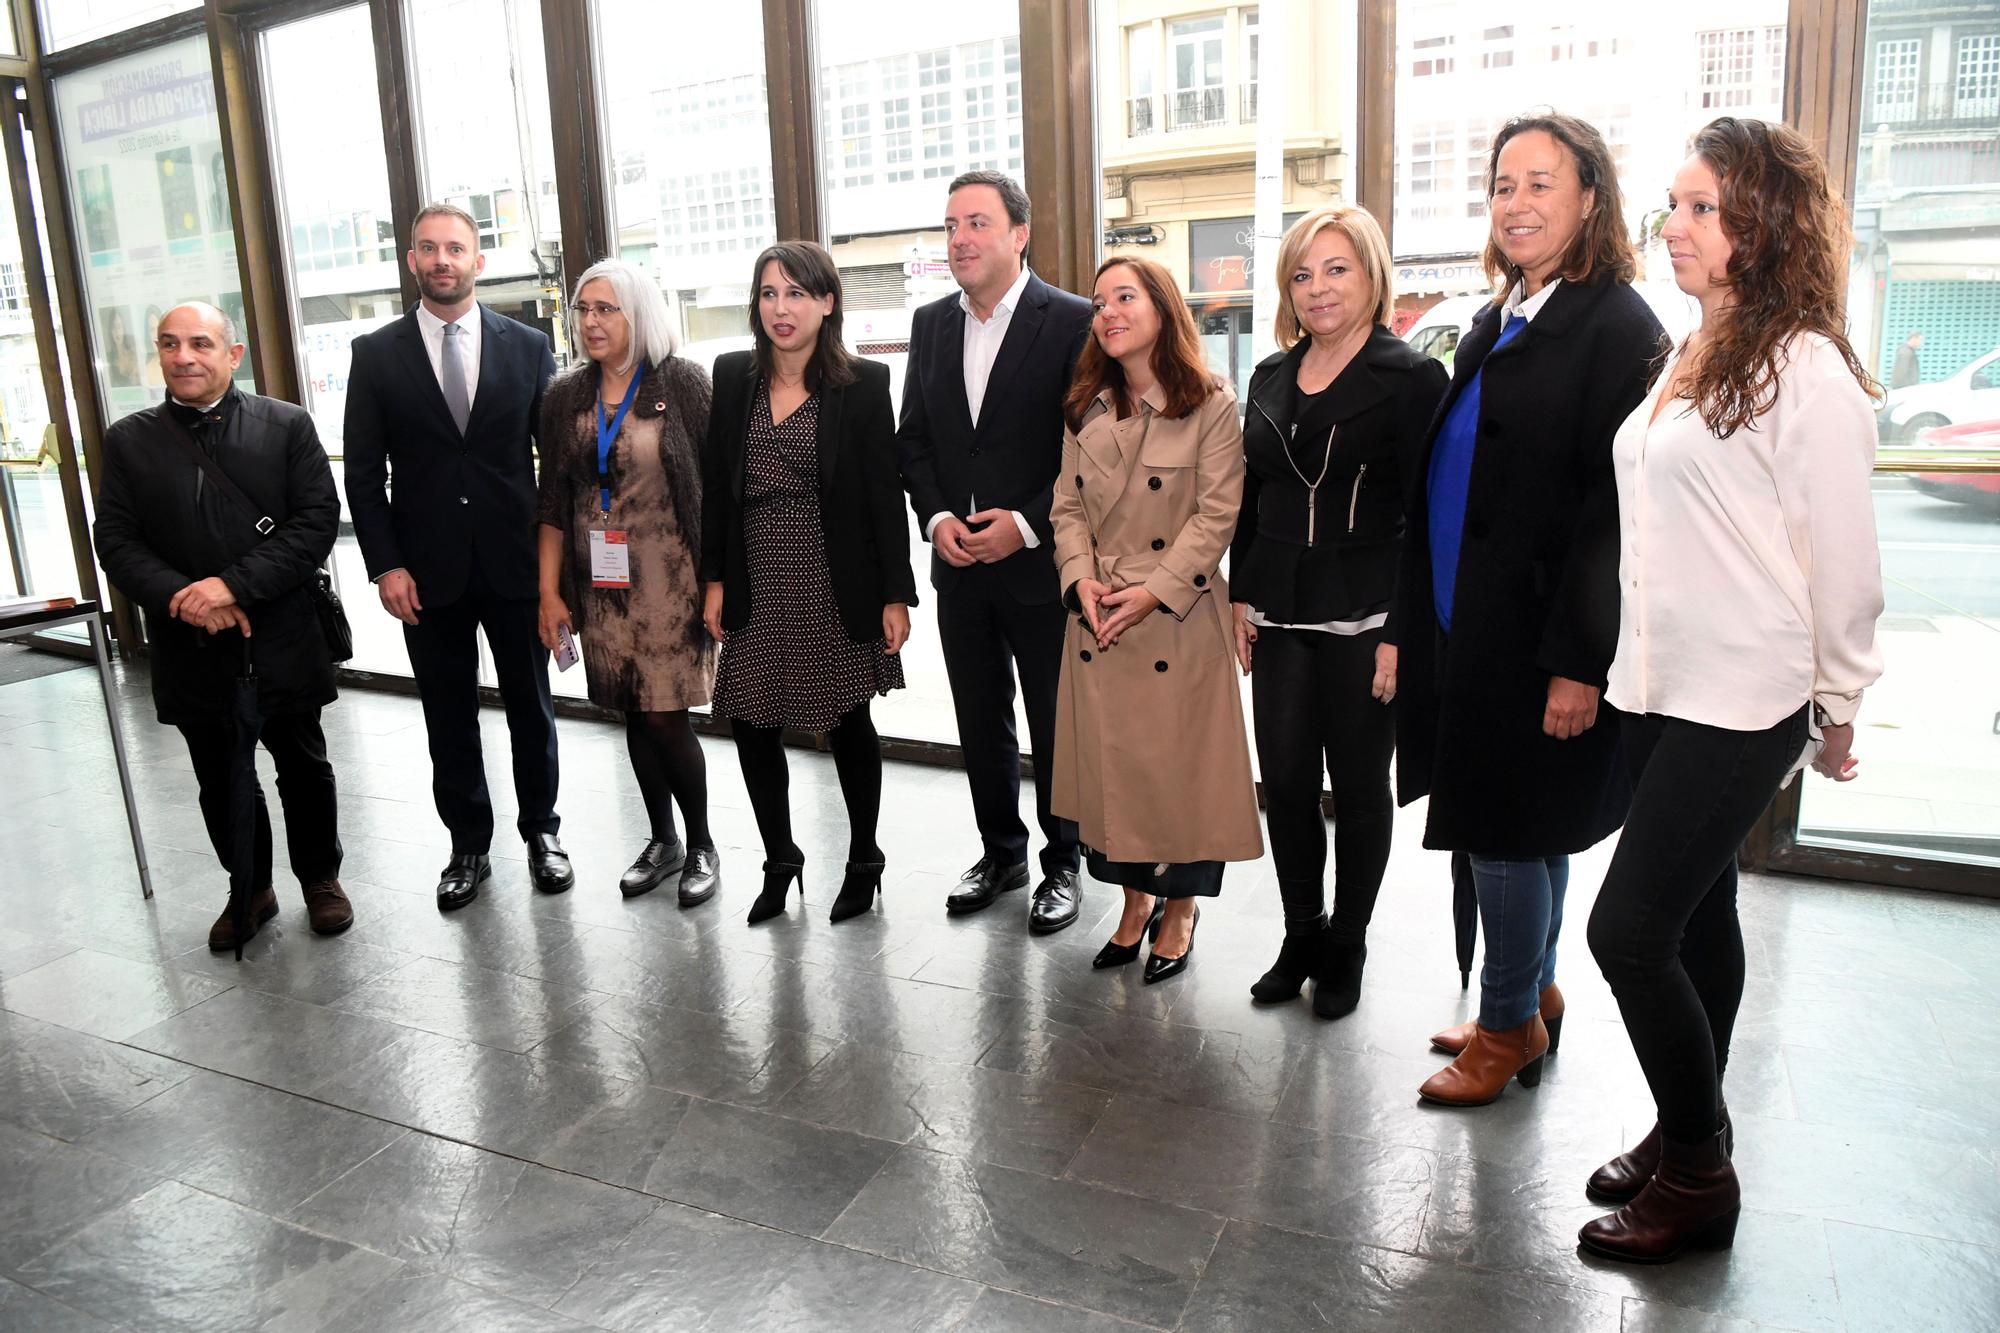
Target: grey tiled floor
(581, 1112)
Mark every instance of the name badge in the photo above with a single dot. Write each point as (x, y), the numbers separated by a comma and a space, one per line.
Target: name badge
(610, 559)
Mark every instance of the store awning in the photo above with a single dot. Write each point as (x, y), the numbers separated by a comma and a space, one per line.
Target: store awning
(1943, 259)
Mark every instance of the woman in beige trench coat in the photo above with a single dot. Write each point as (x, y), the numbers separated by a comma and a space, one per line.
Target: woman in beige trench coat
(1151, 758)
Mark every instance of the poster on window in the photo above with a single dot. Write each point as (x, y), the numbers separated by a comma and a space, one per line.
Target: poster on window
(151, 195)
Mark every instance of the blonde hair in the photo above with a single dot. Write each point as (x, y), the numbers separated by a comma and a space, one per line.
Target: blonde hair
(1363, 232)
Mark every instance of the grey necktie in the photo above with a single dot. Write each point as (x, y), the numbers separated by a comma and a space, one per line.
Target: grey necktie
(453, 377)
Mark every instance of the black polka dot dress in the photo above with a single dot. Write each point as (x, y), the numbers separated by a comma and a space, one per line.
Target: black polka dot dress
(793, 665)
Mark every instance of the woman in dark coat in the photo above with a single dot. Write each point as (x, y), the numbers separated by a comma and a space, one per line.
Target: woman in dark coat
(1334, 424)
(620, 515)
(806, 560)
(1507, 605)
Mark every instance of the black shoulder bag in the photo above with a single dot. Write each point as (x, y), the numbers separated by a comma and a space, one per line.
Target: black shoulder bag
(326, 602)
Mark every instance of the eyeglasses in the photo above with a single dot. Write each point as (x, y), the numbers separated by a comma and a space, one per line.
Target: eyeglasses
(601, 309)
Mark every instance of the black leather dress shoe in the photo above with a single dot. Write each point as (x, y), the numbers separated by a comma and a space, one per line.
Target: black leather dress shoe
(987, 880)
(548, 864)
(656, 860)
(1058, 898)
(459, 884)
(701, 876)
(1159, 967)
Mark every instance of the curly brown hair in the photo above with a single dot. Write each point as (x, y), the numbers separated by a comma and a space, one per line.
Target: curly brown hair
(1789, 246)
(1184, 378)
(1602, 246)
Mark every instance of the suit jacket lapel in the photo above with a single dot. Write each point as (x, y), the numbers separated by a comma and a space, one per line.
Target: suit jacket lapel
(737, 440)
(416, 358)
(493, 348)
(1021, 330)
(949, 368)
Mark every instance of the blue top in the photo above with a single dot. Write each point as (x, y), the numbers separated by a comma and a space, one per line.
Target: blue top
(1451, 480)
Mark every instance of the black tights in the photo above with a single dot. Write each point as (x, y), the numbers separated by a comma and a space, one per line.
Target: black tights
(1311, 693)
(857, 758)
(1664, 928)
(667, 760)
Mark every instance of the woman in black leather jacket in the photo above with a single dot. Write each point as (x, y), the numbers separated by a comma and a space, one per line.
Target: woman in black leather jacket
(1333, 422)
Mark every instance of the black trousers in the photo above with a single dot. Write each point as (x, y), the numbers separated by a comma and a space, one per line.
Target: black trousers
(987, 637)
(444, 655)
(1311, 694)
(1664, 928)
(305, 789)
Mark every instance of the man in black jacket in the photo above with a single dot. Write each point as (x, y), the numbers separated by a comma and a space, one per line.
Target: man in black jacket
(981, 440)
(217, 593)
(449, 398)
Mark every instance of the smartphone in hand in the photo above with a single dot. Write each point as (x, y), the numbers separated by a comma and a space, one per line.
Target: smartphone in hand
(566, 654)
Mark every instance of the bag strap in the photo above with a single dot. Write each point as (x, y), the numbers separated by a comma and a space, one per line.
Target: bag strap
(213, 471)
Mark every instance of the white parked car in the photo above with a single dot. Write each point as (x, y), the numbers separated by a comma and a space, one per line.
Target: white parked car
(1973, 394)
(1437, 330)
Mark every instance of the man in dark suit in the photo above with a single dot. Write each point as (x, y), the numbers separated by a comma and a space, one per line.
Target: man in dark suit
(448, 398)
(981, 441)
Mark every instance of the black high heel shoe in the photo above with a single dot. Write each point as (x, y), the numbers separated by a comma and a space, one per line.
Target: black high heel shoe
(857, 891)
(1159, 967)
(778, 877)
(1118, 955)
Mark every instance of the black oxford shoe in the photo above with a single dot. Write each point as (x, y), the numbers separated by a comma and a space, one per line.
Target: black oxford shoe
(657, 859)
(985, 881)
(701, 878)
(1058, 898)
(548, 864)
(459, 884)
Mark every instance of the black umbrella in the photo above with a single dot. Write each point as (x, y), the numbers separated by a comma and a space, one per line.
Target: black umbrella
(248, 720)
(1464, 914)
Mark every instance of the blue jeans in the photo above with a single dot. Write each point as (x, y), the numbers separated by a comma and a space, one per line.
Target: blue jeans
(1521, 911)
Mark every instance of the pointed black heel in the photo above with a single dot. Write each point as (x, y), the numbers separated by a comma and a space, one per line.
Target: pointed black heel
(858, 891)
(1118, 955)
(778, 877)
(1159, 968)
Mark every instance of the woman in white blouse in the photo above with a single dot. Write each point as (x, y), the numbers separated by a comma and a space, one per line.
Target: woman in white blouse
(1749, 584)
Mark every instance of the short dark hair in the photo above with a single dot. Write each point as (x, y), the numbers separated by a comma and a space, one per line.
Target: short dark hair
(1602, 246)
(1011, 193)
(808, 264)
(444, 211)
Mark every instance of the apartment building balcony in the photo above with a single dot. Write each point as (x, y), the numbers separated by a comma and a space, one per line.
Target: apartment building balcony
(1187, 109)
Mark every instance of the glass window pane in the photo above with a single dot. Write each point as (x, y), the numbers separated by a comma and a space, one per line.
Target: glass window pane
(68, 22)
(9, 45)
(35, 553)
(885, 222)
(1924, 313)
(151, 202)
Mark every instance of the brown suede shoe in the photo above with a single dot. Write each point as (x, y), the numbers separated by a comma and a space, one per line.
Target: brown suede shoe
(1480, 1073)
(1452, 1040)
(327, 908)
(222, 935)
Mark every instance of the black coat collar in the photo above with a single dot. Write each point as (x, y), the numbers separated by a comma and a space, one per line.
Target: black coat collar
(1356, 389)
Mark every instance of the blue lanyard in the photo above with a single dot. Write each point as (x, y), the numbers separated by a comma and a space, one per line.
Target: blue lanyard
(608, 432)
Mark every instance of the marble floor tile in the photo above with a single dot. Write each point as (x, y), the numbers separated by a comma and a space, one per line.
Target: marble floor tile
(434, 1303)
(63, 1083)
(54, 1188)
(476, 1003)
(266, 1038)
(1005, 1312)
(103, 994)
(25, 1310)
(1890, 1279)
(741, 1056)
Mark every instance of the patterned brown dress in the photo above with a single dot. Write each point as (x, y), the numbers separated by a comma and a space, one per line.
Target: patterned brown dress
(793, 665)
(644, 647)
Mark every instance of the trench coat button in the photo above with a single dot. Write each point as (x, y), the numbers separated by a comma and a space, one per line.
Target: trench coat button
(1152, 483)
(1201, 580)
(1159, 666)
(1159, 544)
(463, 500)
(1086, 654)
(1079, 481)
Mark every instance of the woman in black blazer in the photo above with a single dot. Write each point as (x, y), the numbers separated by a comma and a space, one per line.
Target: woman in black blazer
(1507, 604)
(805, 560)
(1334, 420)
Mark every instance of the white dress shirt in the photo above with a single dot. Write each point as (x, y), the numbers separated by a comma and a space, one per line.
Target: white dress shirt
(468, 346)
(1749, 578)
(982, 349)
(1527, 307)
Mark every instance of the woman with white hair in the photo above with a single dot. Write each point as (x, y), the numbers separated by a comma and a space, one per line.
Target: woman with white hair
(620, 520)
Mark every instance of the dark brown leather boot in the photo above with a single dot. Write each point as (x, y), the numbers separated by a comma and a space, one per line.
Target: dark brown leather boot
(222, 935)
(1480, 1073)
(1620, 1179)
(1692, 1202)
(1452, 1040)
(327, 908)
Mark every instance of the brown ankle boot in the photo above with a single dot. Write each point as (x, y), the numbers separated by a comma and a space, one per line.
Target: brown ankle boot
(1620, 1179)
(222, 935)
(327, 908)
(1692, 1202)
(1452, 1040)
(1480, 1073)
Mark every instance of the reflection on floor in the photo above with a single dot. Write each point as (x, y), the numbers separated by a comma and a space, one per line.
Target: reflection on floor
(581, 1112)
